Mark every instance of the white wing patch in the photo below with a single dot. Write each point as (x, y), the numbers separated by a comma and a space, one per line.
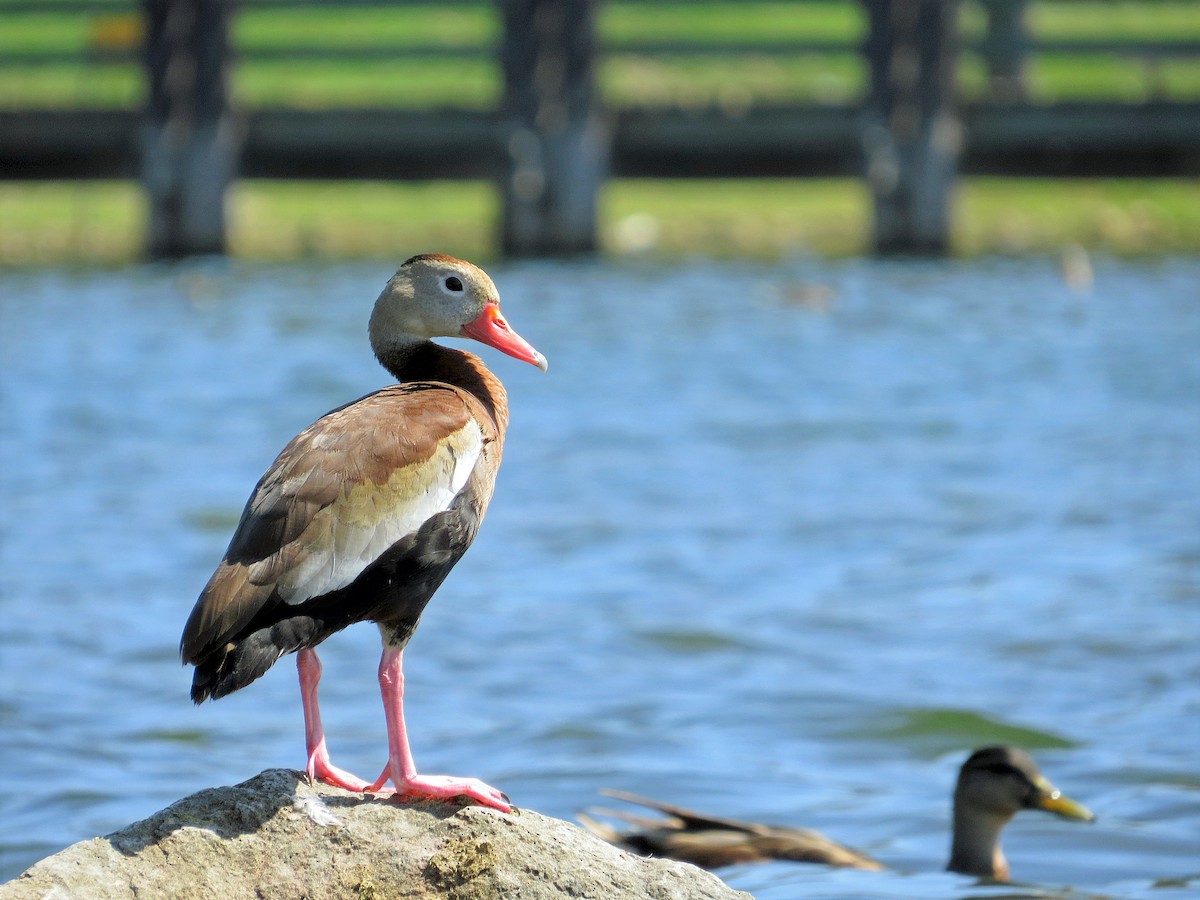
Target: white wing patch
(366, 519)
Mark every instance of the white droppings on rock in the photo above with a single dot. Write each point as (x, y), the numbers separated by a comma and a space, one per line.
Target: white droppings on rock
(317, 811)
(258, 839)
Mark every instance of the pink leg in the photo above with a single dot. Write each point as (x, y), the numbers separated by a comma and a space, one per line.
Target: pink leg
(401, 769)
(319, 767)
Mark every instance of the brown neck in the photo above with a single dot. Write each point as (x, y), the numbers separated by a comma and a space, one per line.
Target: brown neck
(427, 361)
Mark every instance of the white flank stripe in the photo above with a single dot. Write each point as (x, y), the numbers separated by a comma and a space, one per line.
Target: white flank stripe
(347, 536)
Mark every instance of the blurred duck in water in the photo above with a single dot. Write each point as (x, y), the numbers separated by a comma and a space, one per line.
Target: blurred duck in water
(994, 784)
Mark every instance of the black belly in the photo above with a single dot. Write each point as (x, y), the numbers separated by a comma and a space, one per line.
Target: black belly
(392, 591)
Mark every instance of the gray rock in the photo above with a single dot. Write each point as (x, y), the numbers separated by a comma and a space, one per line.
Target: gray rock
(276, 836)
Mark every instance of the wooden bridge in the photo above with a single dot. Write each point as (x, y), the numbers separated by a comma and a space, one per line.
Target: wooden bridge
(550, 139)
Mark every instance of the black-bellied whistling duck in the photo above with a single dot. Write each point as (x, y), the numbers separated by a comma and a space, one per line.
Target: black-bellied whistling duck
(994, 784)
(365, 512)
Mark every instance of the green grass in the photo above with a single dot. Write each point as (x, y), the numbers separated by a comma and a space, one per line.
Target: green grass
(732, 218)
(1130, 20)
(103, 222)
(417, 84)
(743, 21)
(54, 222)
(64, 87)
(641, 81)
(400, 26)
(1056, 77)
(44, 32)
(627, 78)
(287, 220)
(832, 217)
(1124, 217)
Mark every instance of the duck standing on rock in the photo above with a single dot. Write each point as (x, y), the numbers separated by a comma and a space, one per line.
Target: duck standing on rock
(994, 784)
(365, 512)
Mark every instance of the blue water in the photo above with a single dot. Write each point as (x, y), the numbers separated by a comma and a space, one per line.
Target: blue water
(775, 541)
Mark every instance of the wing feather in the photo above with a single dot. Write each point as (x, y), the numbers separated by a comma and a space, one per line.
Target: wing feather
(342, 492)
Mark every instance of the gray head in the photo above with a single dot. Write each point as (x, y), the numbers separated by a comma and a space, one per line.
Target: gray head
(433, 295)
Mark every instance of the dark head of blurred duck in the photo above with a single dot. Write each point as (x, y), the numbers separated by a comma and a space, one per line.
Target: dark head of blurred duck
(994, 784)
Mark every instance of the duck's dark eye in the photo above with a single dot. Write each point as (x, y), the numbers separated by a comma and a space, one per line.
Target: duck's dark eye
(453, 283)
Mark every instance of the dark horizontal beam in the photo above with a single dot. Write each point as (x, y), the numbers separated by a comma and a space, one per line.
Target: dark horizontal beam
(811, 140)
(1168, 47)
(1060, 140)
(75, 144)
(1110, 140)
(366, 144)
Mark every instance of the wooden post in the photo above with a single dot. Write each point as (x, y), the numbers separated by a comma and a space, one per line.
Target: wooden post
(188, 152)
(912, 138)
(1006, 49)
(556, 139)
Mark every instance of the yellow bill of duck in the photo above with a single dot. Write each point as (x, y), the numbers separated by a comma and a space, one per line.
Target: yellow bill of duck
(994, 784)
(363, 515)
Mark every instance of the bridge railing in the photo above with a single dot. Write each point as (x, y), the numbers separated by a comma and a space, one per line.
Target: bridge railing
(554, 96)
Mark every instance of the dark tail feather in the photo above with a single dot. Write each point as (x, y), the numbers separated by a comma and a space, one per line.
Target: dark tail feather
(238, 663)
